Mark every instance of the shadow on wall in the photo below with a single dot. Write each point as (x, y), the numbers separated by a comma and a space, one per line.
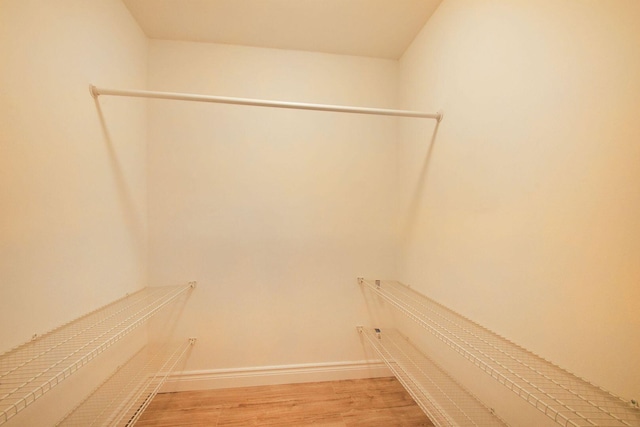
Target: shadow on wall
(414, 206)
(132, 218)
(163, 327)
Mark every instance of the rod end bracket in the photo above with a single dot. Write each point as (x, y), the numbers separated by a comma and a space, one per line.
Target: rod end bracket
(439, 115)
(94, 91)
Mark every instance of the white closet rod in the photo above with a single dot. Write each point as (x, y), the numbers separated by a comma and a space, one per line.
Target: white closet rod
(96, 91)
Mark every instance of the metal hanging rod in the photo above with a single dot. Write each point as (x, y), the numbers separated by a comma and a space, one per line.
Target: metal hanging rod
(96, 91)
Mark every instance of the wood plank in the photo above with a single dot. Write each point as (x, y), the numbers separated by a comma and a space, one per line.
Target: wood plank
(348, 403)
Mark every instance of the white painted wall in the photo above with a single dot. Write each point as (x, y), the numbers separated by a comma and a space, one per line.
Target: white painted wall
(274, 212)
(524, 212)
(72, 202)
(73, 215)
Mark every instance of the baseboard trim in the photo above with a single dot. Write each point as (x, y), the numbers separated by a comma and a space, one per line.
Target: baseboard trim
(271, 375)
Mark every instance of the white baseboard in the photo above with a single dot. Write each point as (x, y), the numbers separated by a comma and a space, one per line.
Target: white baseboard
(271, 375)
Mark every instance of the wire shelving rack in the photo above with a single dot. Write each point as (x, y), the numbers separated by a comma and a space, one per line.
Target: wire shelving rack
(557, 393)
(123, 397)
(32, 369)
(446, 403)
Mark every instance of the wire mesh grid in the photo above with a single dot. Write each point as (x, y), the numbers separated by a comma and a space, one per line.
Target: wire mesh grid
(444, 401)
(32, 369)
(124, 396)
(562, 396)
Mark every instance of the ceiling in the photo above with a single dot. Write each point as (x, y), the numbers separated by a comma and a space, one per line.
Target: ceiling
(376, 28)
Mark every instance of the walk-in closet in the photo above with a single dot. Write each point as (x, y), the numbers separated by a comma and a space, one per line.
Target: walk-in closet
(319, 212)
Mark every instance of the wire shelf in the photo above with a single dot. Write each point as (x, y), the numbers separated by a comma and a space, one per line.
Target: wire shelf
(123, 397)
(444, 401)
(32, 369)
(560, 395)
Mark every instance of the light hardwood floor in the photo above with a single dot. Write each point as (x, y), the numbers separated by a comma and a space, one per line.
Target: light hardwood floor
(370, 402)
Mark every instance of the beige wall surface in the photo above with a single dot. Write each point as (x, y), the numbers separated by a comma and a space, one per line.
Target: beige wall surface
(523, 213)
(274, 212)
(72, 201)
(72, 189)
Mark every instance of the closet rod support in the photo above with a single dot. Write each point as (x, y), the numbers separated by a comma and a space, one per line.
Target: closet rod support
(96, 91)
